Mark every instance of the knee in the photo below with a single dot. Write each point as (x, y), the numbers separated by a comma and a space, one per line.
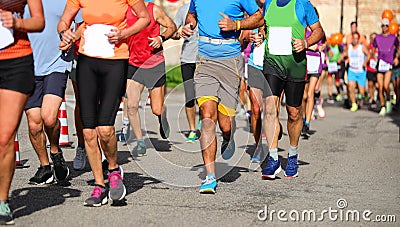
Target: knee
(310, 94)
(49, 121)
(35, 128)
(6, 140)
(157, 110)
(133, 106)
(294, 114)
(90, 135)
(270, 111)
(105, 133)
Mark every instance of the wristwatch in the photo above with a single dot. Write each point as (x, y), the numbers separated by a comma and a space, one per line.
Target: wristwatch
(61, 34)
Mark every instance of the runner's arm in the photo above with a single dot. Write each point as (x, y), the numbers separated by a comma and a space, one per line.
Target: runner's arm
(165, 21)
(33, 24)
(191, 23)
(367, 54)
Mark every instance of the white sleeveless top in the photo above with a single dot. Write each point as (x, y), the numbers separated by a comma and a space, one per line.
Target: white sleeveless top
(357, 58)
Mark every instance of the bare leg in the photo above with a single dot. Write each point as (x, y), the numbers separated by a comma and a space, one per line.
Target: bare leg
(134, 91)
(50, 106)
(12, 104)
(208, 140)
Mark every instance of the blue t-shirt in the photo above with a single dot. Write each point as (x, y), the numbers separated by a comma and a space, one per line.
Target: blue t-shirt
(207, 12)
(304, 10)
(47, 57)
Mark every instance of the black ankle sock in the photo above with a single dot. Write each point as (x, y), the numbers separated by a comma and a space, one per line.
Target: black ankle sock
(112, 170)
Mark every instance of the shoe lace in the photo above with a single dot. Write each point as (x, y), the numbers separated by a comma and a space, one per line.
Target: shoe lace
(208, 180)
(58, 160)
(97, 192)
(114, 178)
(4, 208)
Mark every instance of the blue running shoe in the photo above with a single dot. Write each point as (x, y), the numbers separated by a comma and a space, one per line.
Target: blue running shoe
(292, 167)
(272, 169)
(227, 148)
(208, 185)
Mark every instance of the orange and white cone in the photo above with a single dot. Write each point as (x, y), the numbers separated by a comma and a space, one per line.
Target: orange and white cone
(148, 101)
(17, 155)
(62, 116)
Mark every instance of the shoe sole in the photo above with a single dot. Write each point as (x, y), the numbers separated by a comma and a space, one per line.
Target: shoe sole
(48, 181)
(190, 141)
(207, 191)
(294, 176)
(120, 198)
(141, 155)
(271, 177)
(8, 223)
(103, 202)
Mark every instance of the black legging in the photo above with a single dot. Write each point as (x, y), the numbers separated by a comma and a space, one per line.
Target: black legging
(101, 85)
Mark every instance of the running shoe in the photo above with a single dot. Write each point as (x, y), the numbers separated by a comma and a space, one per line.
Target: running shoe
(330, 100)
(304, 130)
(388, 107)
(80, 159)
(383, 111)
(354, 107)
(117, 188)
(61, 170)
(140, 149)
(6, 217)
(43, 175)
(272, 169)
(98, 197)
(208, 185)
(321, 111)
(339, 98)
(292, 167)
(227, 148)
(256, 158)
(164, 128)
(192, 137)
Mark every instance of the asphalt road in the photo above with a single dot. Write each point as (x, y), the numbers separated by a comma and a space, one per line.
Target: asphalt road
(349, 165)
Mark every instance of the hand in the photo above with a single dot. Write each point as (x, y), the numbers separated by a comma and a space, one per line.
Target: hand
(115, 36)
(64, 46)
(155, 42)
(396, 61)
(298, 45)
(68, 36)
(226, 24)
(7, 19)
(258, 40)
(187, 31)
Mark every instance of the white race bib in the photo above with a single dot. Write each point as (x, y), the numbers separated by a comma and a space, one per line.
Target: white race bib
(313, 64)
(7, 36)
(332, 67)
(372, 63)
(258, 55)
(384, 66)
(96, 41)
(280, 40)
(356, 63)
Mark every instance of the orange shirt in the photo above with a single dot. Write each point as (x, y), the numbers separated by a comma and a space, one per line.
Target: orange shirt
(362, 40)
(108, 12)
(21, 46)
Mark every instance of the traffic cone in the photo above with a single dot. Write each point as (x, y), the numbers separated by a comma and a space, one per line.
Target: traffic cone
(18, 163)
(148, 101)
(62, 116)
(17, 155)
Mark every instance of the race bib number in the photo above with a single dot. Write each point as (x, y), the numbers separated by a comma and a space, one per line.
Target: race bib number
(280, 40)
(313, 64)
(96, 41)
(356, 63)
(384, 66)
(372, 63)
(332, 67)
